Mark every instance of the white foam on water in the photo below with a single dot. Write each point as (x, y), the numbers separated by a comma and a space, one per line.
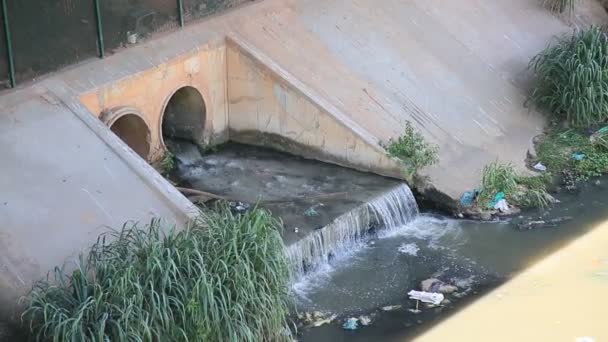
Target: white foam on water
(409, 249)
(345, 234)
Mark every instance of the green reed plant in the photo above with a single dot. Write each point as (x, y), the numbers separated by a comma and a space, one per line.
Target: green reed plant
(525, 192)
(560, 6)
(224, 278)
(572, 78)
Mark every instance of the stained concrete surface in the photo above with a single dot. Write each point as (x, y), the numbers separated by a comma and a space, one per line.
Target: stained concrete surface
(64, 180)
(456, 69)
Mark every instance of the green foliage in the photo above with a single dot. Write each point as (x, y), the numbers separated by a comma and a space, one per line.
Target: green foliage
(532, 192)
(168, 163)
(497, 178)
(224, 278)
(557, 148)
(560, 6)
(572, 78)
(525, 192)
(412, 150)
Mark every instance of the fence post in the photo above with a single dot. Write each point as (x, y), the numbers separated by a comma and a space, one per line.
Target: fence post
(99, 30)
(9, 45)
(180, 8)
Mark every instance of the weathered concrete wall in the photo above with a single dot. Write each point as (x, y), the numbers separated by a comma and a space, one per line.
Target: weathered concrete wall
(150, 90)
(65, 179)
(270, 108)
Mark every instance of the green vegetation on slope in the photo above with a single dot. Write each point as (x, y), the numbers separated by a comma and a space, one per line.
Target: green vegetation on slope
(524, 192)
(168, 163)
(412, 150)
(572, 78)
(559, 146)
(224, 278)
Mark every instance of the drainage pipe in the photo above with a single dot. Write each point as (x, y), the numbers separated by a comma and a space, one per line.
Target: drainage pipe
(9, 45)
(99, 30)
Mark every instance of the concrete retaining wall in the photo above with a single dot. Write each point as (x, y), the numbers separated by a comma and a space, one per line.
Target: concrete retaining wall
(149, 92)
(268, 107)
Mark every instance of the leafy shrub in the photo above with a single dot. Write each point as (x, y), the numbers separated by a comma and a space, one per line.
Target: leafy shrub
(168, 163)
(525, 192)
(412, 150)
(222, 279)
(572, 78)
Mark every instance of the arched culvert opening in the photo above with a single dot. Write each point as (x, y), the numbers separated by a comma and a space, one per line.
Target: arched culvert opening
(184, 116)
(130, 127)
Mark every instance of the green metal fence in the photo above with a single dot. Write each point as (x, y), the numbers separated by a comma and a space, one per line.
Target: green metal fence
(40, 36)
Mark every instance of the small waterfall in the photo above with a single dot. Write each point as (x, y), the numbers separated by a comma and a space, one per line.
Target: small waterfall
(388, 212)
(395, 208)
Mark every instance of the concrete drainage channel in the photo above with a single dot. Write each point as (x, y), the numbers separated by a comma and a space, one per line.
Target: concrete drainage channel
(358, 242)
(356, 238)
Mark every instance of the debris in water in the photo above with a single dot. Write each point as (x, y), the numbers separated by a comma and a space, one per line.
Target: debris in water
(322, 321)
(464, 282)
(502, 206)
(409, 249)
(499, 196)
(365, 320)
(462, 294)
(240, 207)
(317, 318)
(578, 156)
(540, 167)
(391, 308)
(437, 286)
(351, 324)
(296, 230)
(542, 223)
(468, 198)
(310, 212)
(426, 297)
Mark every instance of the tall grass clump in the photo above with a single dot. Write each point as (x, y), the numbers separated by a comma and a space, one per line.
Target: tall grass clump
(524, 192)
(224, 278)
(572, 78)
(560, 6)
(412, 150)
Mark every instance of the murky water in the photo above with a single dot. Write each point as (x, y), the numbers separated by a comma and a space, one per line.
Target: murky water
(305, 194)
(473, 255)
(379, 270)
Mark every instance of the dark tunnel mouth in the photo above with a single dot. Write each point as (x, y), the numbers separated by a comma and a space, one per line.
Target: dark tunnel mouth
(184, 116)
(134, 131)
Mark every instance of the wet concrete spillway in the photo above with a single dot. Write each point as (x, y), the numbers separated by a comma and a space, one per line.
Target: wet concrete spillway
(325, 208)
